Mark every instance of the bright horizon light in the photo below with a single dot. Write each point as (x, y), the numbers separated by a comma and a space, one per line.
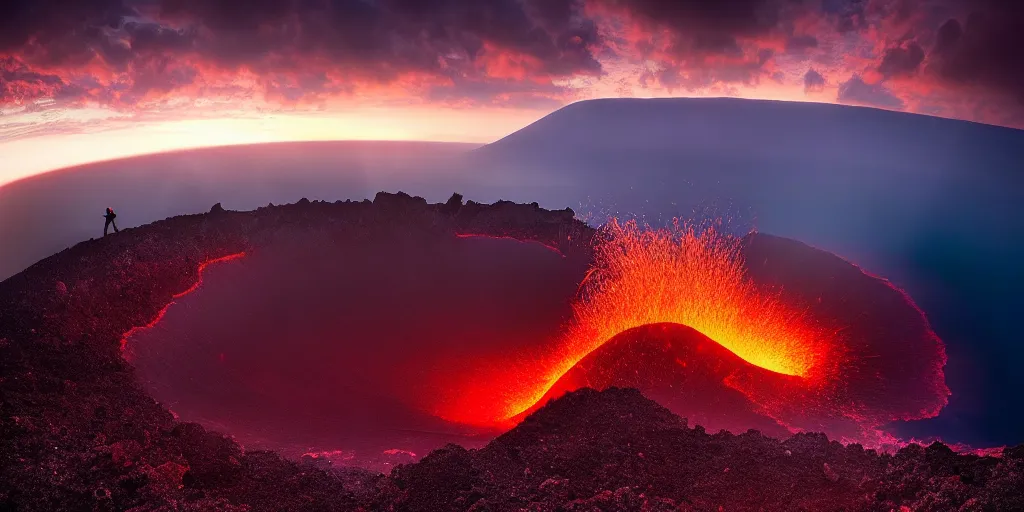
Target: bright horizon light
(32, 155)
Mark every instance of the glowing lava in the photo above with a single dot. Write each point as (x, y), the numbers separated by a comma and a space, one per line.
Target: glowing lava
(695, 279)
(808, 340)
(163, 311)
(495, 237)
(676, 276)
(777, 334)
(202, 266)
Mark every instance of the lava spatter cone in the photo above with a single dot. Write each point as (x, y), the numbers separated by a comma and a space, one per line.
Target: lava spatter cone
(804, 339)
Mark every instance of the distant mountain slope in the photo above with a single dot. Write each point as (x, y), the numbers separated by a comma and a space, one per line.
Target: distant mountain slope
(712, 124)
(758, 154)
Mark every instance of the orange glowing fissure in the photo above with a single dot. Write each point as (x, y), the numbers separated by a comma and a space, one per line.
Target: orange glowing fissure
(641, 277)
(195, 286)
(202, 267)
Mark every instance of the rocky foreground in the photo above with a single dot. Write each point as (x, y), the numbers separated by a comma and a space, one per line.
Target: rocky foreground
(78, 432)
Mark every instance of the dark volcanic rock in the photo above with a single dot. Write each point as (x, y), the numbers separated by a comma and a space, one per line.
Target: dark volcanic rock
(616, 450)
(399, 201)
(78, 432)
(213, 460)
(453, 205)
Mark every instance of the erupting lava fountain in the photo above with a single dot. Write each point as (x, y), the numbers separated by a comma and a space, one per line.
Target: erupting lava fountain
(804, 339)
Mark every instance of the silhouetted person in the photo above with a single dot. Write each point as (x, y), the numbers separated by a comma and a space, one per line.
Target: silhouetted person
(110, 216)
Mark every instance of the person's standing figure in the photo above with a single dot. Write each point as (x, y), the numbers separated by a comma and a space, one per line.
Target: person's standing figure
(110, 216)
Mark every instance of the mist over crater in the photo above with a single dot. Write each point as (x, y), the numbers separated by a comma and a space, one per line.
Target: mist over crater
(332, 346)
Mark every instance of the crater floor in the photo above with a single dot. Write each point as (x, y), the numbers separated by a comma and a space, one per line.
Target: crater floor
(81, 431)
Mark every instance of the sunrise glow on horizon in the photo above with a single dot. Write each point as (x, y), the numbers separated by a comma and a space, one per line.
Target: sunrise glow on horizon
(115, 137)
(29, 156)
(101, 80)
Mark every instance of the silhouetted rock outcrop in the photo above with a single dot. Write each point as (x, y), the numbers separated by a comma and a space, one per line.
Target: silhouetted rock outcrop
(453, 205)
(399, 201)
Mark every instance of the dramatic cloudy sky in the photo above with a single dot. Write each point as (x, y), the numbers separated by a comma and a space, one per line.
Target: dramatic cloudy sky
(84, 80)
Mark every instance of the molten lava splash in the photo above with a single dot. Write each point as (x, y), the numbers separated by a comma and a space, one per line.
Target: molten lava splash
(695, 279)
(680, 276)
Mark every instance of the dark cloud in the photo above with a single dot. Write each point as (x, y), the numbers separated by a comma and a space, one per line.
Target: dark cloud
(161, 74)
(983, 50)
(388, 36)
(19, 84)
(813, 81)
(858, 92)
(49, 22)
(708, 43)
(715, 43)
(671, 79)
(947, 37)
(736, 17)
(901, 60)
(800, 43)
(486, 51)
(367, 40)
(556, 15)
(702, 34)
(695, 77)
(847, 15)
(155, 38)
